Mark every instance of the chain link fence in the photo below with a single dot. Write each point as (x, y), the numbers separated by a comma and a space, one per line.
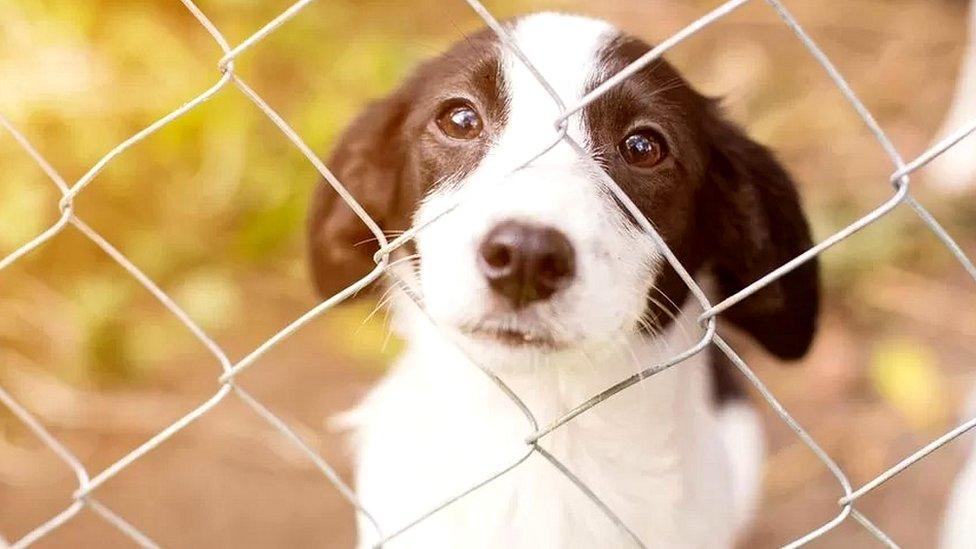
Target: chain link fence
(85, 494)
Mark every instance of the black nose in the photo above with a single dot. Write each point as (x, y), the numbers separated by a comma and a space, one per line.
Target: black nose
(526, 263)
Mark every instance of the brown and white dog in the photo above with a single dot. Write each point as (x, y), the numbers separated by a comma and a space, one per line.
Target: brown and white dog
(959, 523)
(542, 277)
(955, 170)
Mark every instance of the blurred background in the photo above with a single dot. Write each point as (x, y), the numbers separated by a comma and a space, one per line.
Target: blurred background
(212, 208)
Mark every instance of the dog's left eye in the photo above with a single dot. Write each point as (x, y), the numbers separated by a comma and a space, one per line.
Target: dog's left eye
(643, 148)
(459, 120)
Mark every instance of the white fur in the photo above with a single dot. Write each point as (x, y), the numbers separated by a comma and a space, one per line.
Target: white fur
(959, 528)
(615, 261)
(658, 454)
(955, 170)
(679, 472)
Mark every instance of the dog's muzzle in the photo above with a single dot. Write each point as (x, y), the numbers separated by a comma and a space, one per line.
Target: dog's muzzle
(526, 263)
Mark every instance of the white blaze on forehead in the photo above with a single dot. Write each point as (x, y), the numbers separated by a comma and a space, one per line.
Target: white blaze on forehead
(565, 49)
(615, 263)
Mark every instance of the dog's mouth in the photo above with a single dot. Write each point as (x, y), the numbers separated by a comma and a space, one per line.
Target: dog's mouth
(511, 336)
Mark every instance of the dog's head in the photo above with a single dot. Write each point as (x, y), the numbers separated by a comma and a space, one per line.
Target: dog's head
(541, 256)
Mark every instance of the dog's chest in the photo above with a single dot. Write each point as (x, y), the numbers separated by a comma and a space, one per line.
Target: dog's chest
(425, 439)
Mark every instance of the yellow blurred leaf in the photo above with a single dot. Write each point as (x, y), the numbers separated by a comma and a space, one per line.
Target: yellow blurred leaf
(904, 373)
(23, 213)
(152, 341)
(211, 298)
(100, 297)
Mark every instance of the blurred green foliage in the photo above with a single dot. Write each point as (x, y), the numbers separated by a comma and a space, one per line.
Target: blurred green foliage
(213, 197)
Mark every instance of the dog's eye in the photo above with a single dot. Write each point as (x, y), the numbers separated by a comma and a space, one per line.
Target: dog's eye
(459, 120)
(643, 148)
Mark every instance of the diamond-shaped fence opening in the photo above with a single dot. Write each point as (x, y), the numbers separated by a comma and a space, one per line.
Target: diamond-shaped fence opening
(226, 81)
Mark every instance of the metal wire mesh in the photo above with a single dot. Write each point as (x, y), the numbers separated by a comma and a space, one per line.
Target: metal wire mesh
(88, 484)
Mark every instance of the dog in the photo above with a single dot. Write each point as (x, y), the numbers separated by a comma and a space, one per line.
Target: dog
(959, 522)
(954, 172)
(535, 272)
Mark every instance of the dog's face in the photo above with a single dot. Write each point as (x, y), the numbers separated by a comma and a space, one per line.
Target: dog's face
(539, 256)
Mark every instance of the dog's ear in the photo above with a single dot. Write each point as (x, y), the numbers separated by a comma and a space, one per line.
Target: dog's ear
(370, 162)
(754, 223)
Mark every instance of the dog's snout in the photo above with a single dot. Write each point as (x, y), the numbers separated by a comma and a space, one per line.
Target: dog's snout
(526, 263)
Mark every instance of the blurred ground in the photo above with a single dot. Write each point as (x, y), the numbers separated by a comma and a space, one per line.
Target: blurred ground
(212, 207)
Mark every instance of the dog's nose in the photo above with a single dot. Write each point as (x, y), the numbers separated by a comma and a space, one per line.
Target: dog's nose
(526, 263)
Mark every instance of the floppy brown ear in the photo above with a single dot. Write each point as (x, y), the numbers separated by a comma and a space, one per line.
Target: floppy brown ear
(369, 160)
(755, 224)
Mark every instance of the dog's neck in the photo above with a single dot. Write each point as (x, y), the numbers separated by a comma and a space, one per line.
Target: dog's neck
(551, 382)
(567, 376)
(646, 449)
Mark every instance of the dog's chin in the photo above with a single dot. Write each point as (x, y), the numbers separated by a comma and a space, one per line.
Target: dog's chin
(513, 335)
(515, 339)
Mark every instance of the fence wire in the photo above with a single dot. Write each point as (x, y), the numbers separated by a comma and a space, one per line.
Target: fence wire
(84, 496)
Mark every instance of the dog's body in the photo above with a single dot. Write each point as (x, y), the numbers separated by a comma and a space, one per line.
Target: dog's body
(678, 470)
(955, 170)
(959, 525)
(541, 275)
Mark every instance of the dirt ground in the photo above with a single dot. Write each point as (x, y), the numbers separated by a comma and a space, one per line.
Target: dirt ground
(230, 480)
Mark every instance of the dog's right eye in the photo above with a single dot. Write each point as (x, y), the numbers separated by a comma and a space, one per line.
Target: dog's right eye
(458, 119)
(643, 148)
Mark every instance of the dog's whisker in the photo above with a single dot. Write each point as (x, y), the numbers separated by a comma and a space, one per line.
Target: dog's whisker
(670, 301)
(384, 300)
(411, 257)
(389, 329)
(672, 315)
(396, 283)
(392, 233)
(672, 312)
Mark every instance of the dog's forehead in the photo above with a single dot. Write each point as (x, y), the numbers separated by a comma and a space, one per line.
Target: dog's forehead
(565, 49)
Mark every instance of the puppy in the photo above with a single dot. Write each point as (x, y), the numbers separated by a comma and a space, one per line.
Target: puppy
(536, 273)
(954, 171)
(959, 522)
